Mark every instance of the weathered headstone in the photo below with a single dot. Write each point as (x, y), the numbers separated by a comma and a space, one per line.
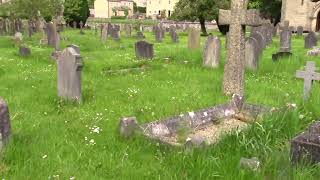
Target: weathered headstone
(74, 24)
(252, 53)
(285, 42)
(104, 33)
(306, 146)
(159, 33)
(310, 40)
(309, 75)
(51, 34)
(81, 27)
(194, 39)
(5, 125)
(300, 30)
(174, 35)
(128, 30)
(70, 74)
(212, 52)
(116, 32)
(237, 18)
(144, 50)
(24, 51)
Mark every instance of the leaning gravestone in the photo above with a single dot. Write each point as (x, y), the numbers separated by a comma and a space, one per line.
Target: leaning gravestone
(299, 30)
(144, 50)
(5, 125)
(306, 146)
(310, 40)
(70, 74)
(212, 52)
(194, 39)
(309, 76)
(237, 18)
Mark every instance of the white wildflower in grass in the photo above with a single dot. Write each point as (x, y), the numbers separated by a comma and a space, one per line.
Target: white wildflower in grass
(191, 114)
(152, 113)
(95, 129)
(173, 98)
(72, 178)
(292, 105)
(44, 156)
(301, 116)
(92, 142)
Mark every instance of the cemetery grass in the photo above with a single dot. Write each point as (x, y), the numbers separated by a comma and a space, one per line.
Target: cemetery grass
(60, 140)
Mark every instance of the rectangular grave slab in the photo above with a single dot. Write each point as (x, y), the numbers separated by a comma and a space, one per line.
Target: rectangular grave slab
(306, 146)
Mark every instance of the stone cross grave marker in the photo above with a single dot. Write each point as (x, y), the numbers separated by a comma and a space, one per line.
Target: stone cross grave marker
(299, 31)
(70, 74)
(144, 50)
(310, 40)
(238, 17)
(309, 75)
(212, 52)
(194, 39)
(5, 126)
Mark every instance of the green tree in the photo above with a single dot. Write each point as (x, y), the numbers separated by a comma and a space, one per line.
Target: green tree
(202, 10)
(76, 10)
(31, 8)
(270, 9)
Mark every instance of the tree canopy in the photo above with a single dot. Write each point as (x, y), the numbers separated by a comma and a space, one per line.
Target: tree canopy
(76, 10)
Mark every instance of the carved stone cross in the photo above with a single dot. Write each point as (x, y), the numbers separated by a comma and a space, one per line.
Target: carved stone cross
(238, 17)
(309, 75)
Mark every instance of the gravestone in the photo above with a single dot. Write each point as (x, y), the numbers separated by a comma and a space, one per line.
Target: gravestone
(194, 39)
(128, 30)
(24, 51)
(5, 124)
(260, 40)
(128, 126)
(18, 37)
(252, 53)
(144, 50)
(306, 146)
(310, 40)
(104, 33)
(110, 29)
(51, 34)
(116, 32)
(174, 36)
(81, 27)
(74, 24)
(299, 30)
(237, 18)
(212, 52)
(70, 74)
(285, 42)
(30, 28)
(159, 33)
(309, 75)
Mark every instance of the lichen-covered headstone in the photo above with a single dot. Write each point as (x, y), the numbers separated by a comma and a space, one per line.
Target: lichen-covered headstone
(70, 74)
(212, 52)
(5, 125)
(144, 50)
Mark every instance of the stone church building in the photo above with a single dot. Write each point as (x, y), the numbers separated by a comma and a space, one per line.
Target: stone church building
(304, 13)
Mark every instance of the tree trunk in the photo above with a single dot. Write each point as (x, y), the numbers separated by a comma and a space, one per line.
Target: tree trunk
(203, 26)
